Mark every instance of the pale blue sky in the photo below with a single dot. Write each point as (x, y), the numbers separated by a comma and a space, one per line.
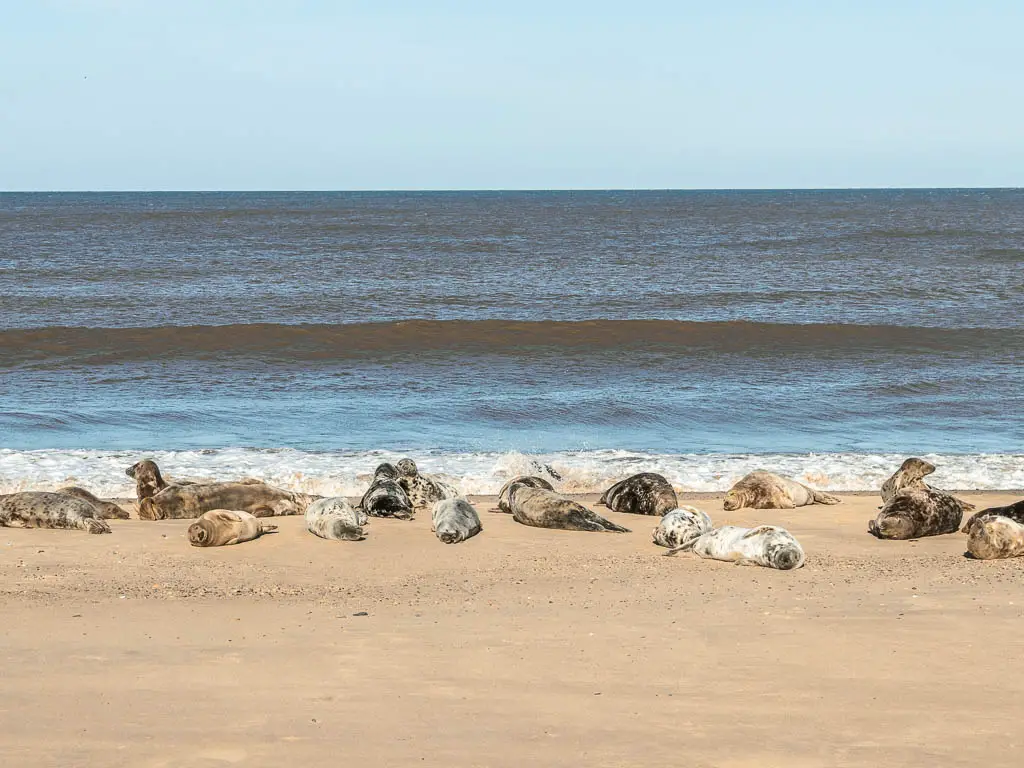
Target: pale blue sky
(123, 94)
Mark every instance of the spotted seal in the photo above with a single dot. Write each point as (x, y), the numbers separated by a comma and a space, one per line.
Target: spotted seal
(766, 490)
(1013, 511)
(916, 512)
(681, 525)
(221, 527)
(766, 545)
(386, 497)
(455, 520)
(910, 475)
(334, 518)
(647, 493)
(105, 510)
(423, 490)
(542, 508)
(40, 509)
(994, 537)
(177, 502)
(530, 480)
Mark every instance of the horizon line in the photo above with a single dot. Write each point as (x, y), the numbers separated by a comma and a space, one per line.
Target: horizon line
(425, 190)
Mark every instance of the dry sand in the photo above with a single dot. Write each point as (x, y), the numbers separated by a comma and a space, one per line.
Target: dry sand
(519, 647)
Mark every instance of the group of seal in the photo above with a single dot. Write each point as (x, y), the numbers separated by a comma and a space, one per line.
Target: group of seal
(912, 509)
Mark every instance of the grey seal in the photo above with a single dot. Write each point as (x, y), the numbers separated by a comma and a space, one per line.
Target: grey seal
(1013, 511)
(766, 545)
(40, 509)
(766, 490)
(386, 497)
(995, 537)
(221, 527)
(423, 490)
(455, 520)
(681, 525)
(916, 512)
(531, 480)
(105, 510)
(334, 518)
(910, 476)
(647, 493)
(177, 502)
(541, 508)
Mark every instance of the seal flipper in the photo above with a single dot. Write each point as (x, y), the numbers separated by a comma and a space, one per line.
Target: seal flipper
(608, 525)
(824, 498)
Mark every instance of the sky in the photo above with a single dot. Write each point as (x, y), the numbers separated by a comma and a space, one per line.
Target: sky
(267, 95)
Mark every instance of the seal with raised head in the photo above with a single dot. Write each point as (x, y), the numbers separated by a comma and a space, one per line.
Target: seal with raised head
(177, 502)
(221, 527)
(910, 475)
(105, 510)
(1013, 511)
(386, 497)
(541, 508)
(766, 490)
(334, 518)
(647, 493)
(766, 545)
(148, 480)
(995, 537)
(681, 525)
(531, 480)
(455, 520)
(916, 512)
(41, 509)
(423, 490)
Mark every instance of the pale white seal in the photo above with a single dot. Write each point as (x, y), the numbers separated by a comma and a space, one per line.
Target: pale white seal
(767, 545)
(681, 525)
(334, 518)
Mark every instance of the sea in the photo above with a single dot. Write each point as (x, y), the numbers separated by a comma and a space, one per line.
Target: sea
(304, 337)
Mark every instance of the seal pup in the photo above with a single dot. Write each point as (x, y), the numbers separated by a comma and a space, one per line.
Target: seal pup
(176, 502)
(766, 490)
(995, 537)
(386, 497)
(647, 493)
(334, 518)
(455, 520)
(423, 490)
(916, 512)
(682, 525)
(766, 545)
(530, 480)
(220, 527)
(542, 508)
(910, 475)
(105, 510)
(1013, 511)
(40, 509)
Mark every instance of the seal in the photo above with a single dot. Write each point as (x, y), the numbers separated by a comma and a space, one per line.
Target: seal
(455, 520)
(423, 490)
(39, 509)
(105, 510)
(765, 490)
(541, 508)
(995, 537)
(910, 475)
(147, 477)
(647, 493)
(680, 526)
(220, 527)
(176, 502)
(531, 480)
(386, 497)
(334, 518)
(767, 545)
(916, 512)
(1013, 511)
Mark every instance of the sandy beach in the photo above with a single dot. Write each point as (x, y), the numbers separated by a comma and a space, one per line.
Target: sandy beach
(521, 646)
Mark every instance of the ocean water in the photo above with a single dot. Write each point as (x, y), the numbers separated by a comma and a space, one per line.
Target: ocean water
(303, 336)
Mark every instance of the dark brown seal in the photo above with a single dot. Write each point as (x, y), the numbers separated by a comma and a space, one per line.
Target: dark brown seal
(647, 493)
(530, 480)
(916, 512)
(541, 508)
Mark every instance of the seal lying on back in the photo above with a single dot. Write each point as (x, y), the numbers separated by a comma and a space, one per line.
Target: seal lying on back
(1013, 511)
(910, 475)
(258, 499)
(542, 508)
(995, 537)
(38, 509)
(644, 494)
(105, 510)
(680, 526)
(455, 520)
(335, 518)
(220, 527)
(423, 490)
(530, 480)
(386, 497)
(766, 490)
(916, 512)
(767, 545)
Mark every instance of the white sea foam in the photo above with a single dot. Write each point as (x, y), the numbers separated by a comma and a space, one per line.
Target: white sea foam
(348, 473)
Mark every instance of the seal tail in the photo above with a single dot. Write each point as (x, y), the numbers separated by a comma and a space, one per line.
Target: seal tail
(267, 528)
(825, 498)
(686, 546)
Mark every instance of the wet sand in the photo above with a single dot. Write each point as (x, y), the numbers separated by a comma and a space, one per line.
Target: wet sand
(519, 647)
